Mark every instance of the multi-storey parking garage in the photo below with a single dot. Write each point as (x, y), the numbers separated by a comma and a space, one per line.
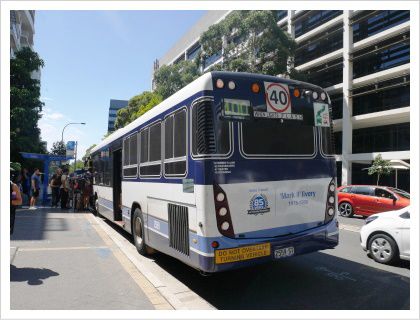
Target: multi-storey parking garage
(362, 58)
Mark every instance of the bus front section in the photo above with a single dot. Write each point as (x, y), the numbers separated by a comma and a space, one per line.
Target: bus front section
(265, 146)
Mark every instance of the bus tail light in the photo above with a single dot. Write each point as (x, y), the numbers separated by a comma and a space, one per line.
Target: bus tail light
(223, 219)
(231, 85)
(330, 206)
(220, 84)
(255, 88)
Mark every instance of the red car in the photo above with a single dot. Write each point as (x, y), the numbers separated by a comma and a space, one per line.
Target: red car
(367, 200)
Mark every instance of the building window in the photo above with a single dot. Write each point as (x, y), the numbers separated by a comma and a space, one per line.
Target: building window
(386, 95)
(150, 151)
(176, 144)
(130, 156)
(281, 14)
(337, 105)
(327, 74)
(208, 61)
(395, 137)
(319, 46)
(193, 52)
(369, 23)
(314, 19)
(388, 54)
(338, 142)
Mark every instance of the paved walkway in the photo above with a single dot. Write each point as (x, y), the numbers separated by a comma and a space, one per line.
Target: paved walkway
(64, 260)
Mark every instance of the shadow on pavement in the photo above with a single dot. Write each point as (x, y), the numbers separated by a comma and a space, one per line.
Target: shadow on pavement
(33, 276)
(313, 281)
(32, 224)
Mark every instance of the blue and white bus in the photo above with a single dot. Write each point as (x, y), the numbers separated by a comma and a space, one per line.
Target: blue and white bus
(232, 170)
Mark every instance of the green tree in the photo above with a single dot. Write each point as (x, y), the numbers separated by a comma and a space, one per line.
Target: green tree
(87, 153)
(25, 105)
(79, 165)
(249, 41)
(137, 106)
(170, 79)
(58, 148)
(380, 167)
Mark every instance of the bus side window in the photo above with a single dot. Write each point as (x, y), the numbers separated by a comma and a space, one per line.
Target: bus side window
(176, 144)
(150, 151)
(130, 157)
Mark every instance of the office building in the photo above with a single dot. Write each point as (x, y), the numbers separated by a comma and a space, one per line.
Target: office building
(362, 59)
(114, 106)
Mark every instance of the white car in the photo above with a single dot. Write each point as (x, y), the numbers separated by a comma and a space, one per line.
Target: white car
(386, 235)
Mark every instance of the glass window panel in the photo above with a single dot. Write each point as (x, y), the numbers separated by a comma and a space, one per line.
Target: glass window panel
(144, 145)
(133, 149)
(155, 142)
(169, 125)
(180, 149)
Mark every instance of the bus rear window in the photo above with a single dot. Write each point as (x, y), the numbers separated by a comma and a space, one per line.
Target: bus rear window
(269, 138)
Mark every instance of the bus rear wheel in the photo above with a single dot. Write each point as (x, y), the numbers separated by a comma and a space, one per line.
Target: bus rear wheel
(138, 232)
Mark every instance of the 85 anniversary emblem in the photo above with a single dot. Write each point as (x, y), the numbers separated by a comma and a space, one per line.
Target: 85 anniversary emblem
(258, 204)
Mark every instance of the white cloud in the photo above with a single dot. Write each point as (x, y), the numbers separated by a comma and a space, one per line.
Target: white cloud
(53, 116)
(46, 99)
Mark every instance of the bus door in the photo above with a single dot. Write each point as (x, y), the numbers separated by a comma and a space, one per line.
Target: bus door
(116, 183)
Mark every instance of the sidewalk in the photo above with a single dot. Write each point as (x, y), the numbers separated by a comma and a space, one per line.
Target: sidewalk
(63, 260)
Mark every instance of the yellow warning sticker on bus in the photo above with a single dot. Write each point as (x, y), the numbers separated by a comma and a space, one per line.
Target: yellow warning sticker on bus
(242, 253)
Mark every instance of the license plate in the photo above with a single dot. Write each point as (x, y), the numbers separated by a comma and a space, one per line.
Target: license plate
(242, 253)
(284, 252)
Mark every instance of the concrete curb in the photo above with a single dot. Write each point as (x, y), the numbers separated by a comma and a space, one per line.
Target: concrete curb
(175, 292)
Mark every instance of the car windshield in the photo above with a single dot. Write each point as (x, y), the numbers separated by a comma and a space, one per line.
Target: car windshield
(401, 193)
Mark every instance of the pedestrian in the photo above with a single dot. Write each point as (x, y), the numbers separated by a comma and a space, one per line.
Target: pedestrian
(26, 186)
(64, 188)
(15, 200)
(35, 186)
(55, 184)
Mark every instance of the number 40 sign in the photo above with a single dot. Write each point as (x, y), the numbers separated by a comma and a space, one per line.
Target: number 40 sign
(277, 97)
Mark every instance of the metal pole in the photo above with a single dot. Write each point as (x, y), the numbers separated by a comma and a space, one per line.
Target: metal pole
(396, 178)
(75, 157)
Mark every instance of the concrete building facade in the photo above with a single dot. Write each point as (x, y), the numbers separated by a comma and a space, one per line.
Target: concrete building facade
(362, 59)
(22, 29)
(114, 106)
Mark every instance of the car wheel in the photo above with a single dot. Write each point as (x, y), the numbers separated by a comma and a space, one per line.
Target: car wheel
(138, 232)
(345, 209)
(383, 248)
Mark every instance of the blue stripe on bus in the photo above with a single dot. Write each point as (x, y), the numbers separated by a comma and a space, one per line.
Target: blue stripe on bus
(273, 170)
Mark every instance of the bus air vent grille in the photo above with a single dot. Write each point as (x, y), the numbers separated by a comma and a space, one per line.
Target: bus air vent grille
(178, 228)
(206, 142)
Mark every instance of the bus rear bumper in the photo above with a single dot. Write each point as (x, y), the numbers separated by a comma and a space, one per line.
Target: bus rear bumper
(320, 238)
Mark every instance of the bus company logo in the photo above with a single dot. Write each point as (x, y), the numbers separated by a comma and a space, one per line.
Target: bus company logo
(258, 204)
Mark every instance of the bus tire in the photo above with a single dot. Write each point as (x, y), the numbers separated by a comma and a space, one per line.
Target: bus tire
(138, 232)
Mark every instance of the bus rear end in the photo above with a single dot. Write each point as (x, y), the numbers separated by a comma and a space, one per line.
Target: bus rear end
(264, 145)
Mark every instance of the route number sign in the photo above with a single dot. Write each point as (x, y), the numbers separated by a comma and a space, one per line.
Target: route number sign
(277, 97)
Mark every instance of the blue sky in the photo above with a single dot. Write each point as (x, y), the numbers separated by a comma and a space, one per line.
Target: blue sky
(94, 56)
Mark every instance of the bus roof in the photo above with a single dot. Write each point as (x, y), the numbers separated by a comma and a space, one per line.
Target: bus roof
(202, 83)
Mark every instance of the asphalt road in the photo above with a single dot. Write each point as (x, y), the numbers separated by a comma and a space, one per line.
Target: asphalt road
(342, 278)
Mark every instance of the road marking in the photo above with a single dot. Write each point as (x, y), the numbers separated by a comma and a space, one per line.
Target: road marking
(349, 227)
(158, 301)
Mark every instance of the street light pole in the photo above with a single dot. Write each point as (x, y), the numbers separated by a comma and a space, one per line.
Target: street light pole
(62, 132)
(62, 140)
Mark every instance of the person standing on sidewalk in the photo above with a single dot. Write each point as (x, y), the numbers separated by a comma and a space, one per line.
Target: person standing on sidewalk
(35, 186)
(26, 186)
(64, 188)
(15, 200)
(55, 184)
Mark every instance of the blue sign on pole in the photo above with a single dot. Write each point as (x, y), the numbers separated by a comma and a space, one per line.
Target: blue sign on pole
(70, 146)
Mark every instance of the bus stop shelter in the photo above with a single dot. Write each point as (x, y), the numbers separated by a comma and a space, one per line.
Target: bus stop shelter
(46, 159)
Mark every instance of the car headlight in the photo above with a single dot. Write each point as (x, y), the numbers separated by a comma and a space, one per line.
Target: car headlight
(370, 219)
